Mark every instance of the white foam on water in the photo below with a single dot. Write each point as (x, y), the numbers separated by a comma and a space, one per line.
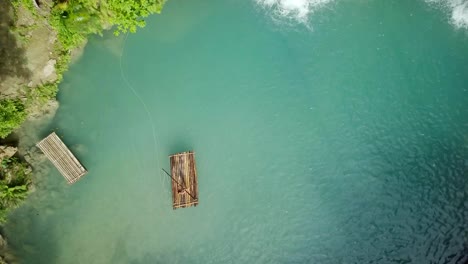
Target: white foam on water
(460, 15)
(294, 10)
(458, 10)
(299, 11)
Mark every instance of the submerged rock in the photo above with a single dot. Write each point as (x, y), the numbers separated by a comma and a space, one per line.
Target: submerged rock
(7, 152)
(43, 112)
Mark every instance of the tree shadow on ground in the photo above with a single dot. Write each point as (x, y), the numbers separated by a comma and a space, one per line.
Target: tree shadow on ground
(12, 55)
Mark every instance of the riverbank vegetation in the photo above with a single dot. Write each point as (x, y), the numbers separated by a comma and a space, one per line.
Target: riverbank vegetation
(75, 19)
(37, 35)
(14, 181)
(12, 114)
(71, 22)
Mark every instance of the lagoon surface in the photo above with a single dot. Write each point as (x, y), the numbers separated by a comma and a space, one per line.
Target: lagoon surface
(340, 139)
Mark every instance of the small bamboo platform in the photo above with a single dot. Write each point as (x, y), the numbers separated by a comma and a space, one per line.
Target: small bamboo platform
(56, 151)
(184, 180)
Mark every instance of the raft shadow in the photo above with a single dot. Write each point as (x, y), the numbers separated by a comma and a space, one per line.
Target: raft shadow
(180, 146)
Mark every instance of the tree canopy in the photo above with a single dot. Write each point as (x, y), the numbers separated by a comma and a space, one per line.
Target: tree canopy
(77, 18)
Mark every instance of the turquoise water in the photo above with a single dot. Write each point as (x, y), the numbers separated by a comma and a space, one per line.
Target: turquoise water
(343, 140)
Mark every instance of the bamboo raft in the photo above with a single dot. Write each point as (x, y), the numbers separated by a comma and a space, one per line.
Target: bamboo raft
(62, 158)
(184, 180)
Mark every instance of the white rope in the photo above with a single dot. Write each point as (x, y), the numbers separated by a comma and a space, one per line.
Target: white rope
(150, 117)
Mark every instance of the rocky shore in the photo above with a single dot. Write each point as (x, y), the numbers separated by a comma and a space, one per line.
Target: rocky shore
(29, 58)
(38, 41)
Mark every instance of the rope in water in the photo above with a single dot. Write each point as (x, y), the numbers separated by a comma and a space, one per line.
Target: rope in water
(148, 113)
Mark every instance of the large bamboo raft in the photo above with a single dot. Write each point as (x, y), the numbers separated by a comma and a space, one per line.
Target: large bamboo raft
(62, 158)
(184, 180)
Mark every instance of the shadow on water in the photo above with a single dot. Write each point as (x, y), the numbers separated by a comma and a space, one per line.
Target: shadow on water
(33, 220)
(13, 60)
(25, 228)
(123, 255)
(180, 146)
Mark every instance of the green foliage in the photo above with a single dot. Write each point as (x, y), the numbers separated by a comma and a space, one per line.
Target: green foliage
(63, 60)
(42, 93)
(14, 172)
(69, 34)
(75, 19)
(28, 4)
(12, 114)
(14, 181)
(13, 195)
(128, 15)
